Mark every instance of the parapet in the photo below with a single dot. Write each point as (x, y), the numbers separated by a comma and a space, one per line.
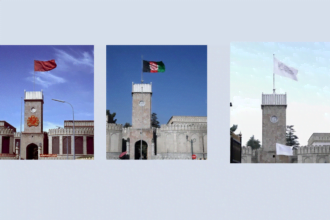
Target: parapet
(34, 95)
(116, 127)
(78, 123)
(145, 88)
(187, 119)
(182, 127)
(6, 131)
(273, 99)
(69, 131)
(313, 150)
(246, 150)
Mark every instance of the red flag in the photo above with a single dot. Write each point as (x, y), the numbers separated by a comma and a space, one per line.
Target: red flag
(44, 65)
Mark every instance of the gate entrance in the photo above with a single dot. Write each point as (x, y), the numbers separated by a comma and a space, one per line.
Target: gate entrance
(32, 152)
(138, 150)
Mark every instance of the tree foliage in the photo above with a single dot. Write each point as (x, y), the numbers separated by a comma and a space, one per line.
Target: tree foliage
(291, 138)
(111, 117)
(253, 143)
(233, 128)
(126, 125)
(154, 121)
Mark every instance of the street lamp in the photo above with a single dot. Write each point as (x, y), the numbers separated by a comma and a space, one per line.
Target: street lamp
(74, 148)
(191, 141)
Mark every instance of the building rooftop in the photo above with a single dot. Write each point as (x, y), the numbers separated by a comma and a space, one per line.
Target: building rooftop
(78, 123)
(34, 95)
(142, 87)
(273, 99)
(4, 124)
(187, 119)
(319, 139)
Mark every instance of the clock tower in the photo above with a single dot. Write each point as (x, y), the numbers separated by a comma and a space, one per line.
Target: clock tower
(32, 136)
(141, 133)
(273, 127)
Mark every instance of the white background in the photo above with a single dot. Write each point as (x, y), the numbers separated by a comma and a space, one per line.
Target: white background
(212, 189)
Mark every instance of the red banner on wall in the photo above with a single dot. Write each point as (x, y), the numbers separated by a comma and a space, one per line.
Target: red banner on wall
(48, 155)
(7, 155)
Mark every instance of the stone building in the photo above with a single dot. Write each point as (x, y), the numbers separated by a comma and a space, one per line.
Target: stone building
(274, 131)
(34, 143)
(180, 138)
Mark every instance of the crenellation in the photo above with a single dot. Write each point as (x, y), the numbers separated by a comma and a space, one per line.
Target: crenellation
(7, 131)
(68, 131)
(116, 127)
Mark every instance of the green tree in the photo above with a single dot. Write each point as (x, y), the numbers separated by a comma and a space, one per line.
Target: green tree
(111, 117)
(233, 128)
(126, 125)
(154, 121)
(291, 138)
(253, 143)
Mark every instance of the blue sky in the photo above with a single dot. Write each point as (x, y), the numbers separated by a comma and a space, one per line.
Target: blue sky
(181, 90)
(72, 80)
(251, 73)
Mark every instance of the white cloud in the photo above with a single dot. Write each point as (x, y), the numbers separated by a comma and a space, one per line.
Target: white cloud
(45, 79)
(81, 59)
(50, 125)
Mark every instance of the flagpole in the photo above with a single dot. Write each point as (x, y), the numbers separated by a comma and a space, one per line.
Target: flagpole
(20, 139)
(273, 75)
(141, 123)
(141, 68)
(34, 79)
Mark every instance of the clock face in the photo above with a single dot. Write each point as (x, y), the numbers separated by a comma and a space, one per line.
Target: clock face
(142, 103)
(33, 109)
(273, 119)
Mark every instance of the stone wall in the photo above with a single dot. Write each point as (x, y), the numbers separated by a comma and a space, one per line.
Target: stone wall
(166, 142)
(172, 140)
(63, 133)
(312, 154)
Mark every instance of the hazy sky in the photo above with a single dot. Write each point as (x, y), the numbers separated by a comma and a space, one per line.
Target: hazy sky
(181, 90)
(308, 100)
(72, 80)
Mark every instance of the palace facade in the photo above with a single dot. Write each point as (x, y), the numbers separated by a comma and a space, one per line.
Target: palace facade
(34, 143)
(183, 137)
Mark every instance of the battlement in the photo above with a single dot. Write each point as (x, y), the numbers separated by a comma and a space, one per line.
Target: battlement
(182, 127)
(187, 119)
(34, 95)
(6, 131)
(246, 150)
(314, 150)
(116, 127)
(273, 99)
(69, 131)
(17, 134)
(145, 88)
(81, 123)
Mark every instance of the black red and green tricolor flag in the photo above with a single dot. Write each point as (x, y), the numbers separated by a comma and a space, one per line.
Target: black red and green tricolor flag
(153, 66)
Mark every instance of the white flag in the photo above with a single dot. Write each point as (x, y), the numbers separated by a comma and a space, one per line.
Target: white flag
(284, 70)
(283, 150)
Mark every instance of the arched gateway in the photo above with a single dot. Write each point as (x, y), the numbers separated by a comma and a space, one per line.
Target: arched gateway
(32, 152)
(137, 148)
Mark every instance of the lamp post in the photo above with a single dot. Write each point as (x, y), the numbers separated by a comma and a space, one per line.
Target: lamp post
(191, 142)
(74, 148)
